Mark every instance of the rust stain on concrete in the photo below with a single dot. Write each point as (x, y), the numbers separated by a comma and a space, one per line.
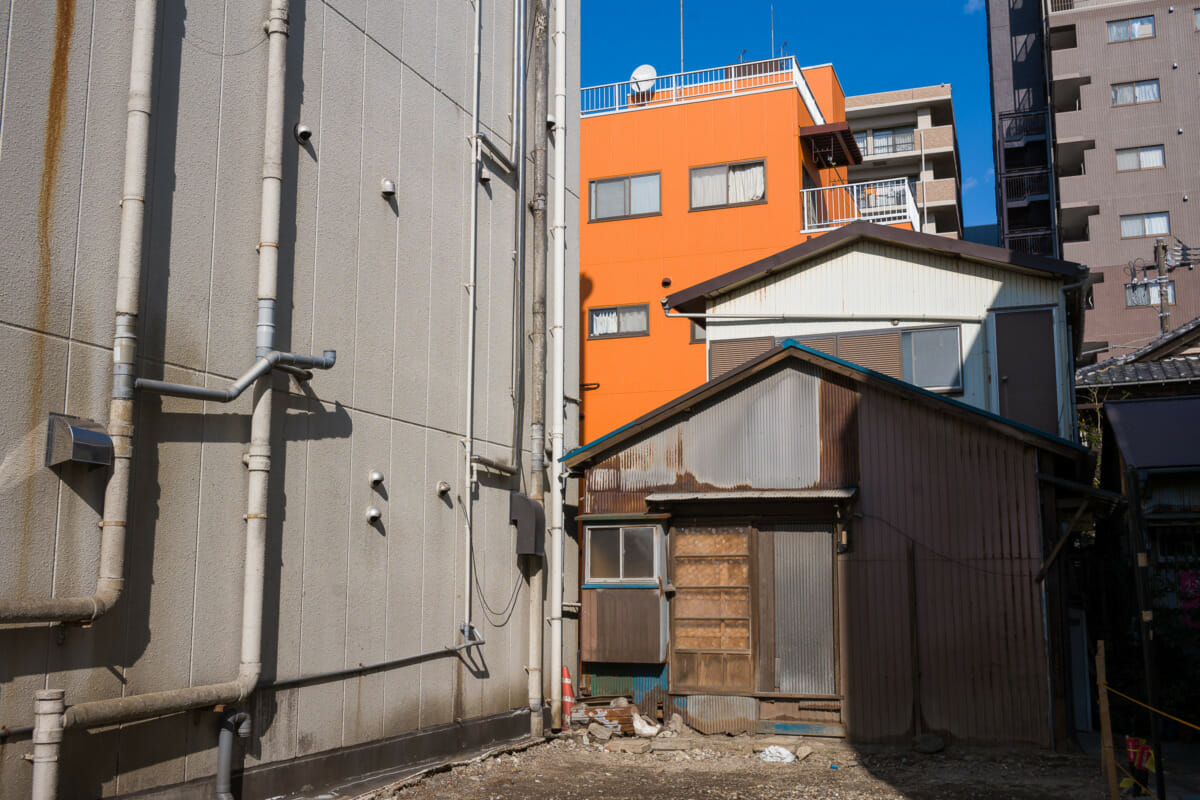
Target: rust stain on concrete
(56, 113)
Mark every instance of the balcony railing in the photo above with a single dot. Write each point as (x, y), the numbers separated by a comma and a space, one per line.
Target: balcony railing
(1022, 187)
(1037, 242)
(706, 84)
(887, 202)
(1076, 5)
(1016, 128)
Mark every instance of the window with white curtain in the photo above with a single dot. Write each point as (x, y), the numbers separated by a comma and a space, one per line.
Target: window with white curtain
(1131, 158)
(1135, 225)
(728, 184)
(628, 196)
(1123, 30)
(617, 321)
(1127, 94)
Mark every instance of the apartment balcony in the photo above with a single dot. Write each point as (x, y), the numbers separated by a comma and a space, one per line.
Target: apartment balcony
(699, 85)
(940, 192)
(1025, 187)
(887, 202)
(909, 144)
(1020, 128)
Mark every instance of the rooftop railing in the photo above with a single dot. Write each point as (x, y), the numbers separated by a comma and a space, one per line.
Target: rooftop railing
(705, 84)
(1076, 5)
(887, 202)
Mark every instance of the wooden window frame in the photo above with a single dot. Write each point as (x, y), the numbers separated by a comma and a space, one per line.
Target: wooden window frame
(727, 165)
(618, 334)
(592, 197)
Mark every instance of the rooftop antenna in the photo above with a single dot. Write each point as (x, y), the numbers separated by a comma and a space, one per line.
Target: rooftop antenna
(681, 35)
(772, 27)
(781, 49)
(742, 57)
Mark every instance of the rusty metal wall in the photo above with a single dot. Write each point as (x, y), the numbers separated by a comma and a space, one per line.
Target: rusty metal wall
(721, 714)
(765, 434)
(623, 625)
(968, 500)
(804, 613)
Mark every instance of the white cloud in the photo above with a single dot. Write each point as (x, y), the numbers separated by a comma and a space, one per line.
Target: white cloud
(969, 184)
(971, 6)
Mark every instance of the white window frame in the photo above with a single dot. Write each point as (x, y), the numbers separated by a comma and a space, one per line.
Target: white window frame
(1131, 21)
(592, 184)
(1140, 151)
(659, 550)
(1143, 234)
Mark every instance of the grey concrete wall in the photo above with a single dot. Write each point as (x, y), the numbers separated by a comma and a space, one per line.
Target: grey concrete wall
(386, 88)
(1173, 57)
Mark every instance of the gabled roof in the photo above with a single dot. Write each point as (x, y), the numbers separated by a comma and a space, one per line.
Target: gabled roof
(1155, 362)
(692, 299)
(791, 349)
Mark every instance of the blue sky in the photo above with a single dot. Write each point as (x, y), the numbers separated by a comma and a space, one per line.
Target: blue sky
(875, 46)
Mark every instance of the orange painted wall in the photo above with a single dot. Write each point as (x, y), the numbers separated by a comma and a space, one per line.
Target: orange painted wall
(624, 262)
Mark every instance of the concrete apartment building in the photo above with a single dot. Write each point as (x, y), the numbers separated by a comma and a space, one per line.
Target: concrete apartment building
(910, 134)
(1097, 135)
(320, 573)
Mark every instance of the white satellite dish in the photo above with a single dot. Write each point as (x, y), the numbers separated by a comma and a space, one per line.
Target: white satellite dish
(642, 79)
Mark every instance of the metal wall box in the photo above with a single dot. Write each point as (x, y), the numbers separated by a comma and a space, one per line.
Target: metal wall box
(530, 519)
(76, 439)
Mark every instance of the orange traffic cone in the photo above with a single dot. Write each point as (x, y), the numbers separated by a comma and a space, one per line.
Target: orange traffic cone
(568, 697)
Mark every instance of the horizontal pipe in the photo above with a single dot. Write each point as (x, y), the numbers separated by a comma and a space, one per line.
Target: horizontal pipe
(155, 704)
(8, 734)
(364, 669)
(263, 365)
(821, 317)
(498, 466)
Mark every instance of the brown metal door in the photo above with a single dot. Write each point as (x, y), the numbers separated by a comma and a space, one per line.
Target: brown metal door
(1025, 368)
(711, 646)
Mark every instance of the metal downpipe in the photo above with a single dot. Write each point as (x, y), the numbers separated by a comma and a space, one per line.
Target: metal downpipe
(126, 709)
(537, 424)
(558, 364)
(110, 577)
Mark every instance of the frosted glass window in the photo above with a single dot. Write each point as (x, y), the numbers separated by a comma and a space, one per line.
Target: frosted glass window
(604, 553)
(638, 557)
(728, 184)
(617, 554)
(1123, 30)
(1131, 158)
(615, 198)
(1125, 94)
(932, 358)
(1156, 224)
(619, 321)
(643, 194)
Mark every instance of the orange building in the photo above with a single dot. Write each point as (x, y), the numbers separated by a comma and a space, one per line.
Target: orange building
(689, 176)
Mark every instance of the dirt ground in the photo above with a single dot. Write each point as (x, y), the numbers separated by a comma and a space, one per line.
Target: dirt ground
(698, 767)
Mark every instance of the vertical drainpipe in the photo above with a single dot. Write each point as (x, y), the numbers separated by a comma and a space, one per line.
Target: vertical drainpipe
(558, 365)
(537, 424)
(47, 739)
(472, 269)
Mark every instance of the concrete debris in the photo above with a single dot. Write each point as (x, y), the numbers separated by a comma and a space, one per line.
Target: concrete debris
(599, 732)
(803, 752)
(667, 745)
(628, 746)
(675, 723)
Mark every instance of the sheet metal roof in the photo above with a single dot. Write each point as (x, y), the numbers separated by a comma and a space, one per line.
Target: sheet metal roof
(1157, 433)
(692, 299)
(790, 348)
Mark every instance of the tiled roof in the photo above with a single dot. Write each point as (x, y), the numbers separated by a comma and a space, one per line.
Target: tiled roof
(1158, 349)
(1115, 371)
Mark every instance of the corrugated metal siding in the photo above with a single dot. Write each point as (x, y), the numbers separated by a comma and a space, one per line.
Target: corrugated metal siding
(725, 355)
(878, 351)
(877, 278)
(636, 680)
(719, 714)
(839, 431)
(804, 635)
(967, 498)
(763, 435)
